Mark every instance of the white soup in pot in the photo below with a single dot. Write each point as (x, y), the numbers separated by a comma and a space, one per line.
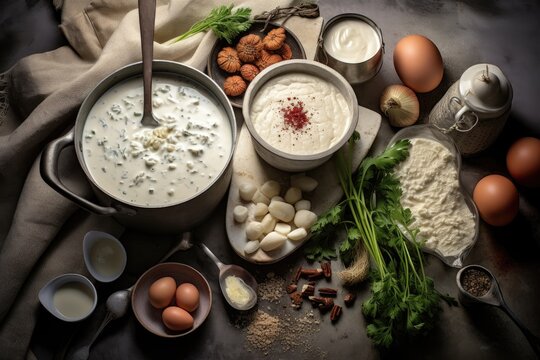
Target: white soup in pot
(162, 166)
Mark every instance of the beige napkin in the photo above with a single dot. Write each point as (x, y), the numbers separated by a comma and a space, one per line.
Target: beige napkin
(40, 231)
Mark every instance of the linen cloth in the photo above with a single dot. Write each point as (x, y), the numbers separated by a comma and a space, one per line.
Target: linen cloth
(41, 232)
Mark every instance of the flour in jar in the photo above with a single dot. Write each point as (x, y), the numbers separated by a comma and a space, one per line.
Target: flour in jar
(430, 184)
(158, 166)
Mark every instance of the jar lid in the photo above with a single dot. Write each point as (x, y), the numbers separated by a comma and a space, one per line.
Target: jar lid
(486, 90)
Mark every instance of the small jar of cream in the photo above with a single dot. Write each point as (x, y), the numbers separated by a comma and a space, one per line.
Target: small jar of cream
(353, 45)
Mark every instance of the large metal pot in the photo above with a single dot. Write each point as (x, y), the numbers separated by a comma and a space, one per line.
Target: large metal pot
(169, 219)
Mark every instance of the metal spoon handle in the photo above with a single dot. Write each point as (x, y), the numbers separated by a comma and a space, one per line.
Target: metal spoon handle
(210, 254)
(184, 244)
(147, 15)
(84, 352)
(108, 318)
(533, 340)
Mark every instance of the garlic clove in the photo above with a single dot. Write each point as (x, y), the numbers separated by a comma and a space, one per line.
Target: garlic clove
(400, 105)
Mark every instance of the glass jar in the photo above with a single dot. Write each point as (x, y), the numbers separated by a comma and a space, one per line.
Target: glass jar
(475, 108)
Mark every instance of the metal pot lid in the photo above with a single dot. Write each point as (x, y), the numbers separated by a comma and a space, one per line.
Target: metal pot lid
(486, 90)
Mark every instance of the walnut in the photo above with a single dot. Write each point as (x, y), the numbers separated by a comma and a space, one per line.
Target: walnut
(234, 85)
(284, 51)
(274, 39)
(267, 59)
(227, 59)
(249, 47)
(249, 71)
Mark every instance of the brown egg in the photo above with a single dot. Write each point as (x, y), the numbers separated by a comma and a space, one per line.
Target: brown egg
(523, 161)
(187, 297)
(161, 292)
(177, 319)
(418, 63)
(497, 200)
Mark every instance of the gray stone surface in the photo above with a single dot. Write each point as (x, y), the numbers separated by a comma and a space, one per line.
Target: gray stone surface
(467, 32)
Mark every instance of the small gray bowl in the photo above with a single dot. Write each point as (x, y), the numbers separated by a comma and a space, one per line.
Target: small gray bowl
(111, 250)
(80, 282)
(283, 160)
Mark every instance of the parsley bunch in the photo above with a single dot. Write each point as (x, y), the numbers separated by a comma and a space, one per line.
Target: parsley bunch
(225, 23)
(403, 299)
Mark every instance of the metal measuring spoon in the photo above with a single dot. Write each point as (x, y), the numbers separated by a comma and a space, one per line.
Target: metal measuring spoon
(147, 15)
(494, 297)
(118, 302)
(234, 270)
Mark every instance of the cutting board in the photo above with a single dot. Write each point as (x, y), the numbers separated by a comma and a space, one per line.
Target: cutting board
(248, 167)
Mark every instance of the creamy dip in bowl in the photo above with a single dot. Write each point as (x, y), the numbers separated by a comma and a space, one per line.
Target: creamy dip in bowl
(299, 113)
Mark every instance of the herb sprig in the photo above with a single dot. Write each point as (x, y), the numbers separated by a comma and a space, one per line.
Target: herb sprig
(225, 23)
(404, 301)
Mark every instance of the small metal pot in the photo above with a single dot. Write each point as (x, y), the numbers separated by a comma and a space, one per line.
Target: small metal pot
(353, 72)
(168, 219)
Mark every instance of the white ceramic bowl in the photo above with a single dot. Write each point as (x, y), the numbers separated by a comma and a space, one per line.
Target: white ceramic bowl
(78, 283)
(287, 161)
(104, 256)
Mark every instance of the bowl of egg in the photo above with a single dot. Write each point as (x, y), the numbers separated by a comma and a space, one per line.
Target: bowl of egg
(299, 113)
(171, 300)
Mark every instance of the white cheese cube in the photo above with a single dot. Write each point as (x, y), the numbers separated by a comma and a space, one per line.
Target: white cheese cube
(270, 188)
(272, 241)
(281, 210)
(260, 210)
(282, 228)
(246, 191)
(254, 230)
(277, 198)
(303, 182)
(240, 213)
(268, 223)
(251, 247)
(259, 197)
(297, 234)
(305, 219)
(303, 205)
(293, 195)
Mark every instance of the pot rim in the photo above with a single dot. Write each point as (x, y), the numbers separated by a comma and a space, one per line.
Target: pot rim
(164, 66)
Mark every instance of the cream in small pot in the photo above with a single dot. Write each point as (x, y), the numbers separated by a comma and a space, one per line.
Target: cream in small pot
(300, 114)
(155, 167)
(352, 41)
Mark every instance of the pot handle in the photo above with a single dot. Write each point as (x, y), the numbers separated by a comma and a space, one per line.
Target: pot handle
(49, 173)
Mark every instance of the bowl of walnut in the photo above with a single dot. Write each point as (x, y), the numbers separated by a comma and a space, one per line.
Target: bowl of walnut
(234, 66)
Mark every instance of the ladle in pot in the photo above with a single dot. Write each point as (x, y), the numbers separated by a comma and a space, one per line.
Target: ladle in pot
(493, 297)
(234, 270)
(147, 16)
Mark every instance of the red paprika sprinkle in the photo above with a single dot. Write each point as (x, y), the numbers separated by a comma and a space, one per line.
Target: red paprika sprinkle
(295, 115)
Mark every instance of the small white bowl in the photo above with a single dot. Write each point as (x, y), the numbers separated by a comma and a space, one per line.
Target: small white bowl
(294, 162)
(76, 288)
(104, 256)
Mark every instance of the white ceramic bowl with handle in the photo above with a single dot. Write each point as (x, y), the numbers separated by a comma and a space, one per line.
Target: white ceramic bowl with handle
(300, 162)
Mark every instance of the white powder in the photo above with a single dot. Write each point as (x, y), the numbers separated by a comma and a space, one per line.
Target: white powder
(430, 185)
